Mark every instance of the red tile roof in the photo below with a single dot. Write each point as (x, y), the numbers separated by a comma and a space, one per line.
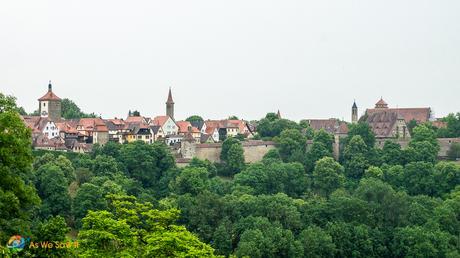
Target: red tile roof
(210, 130)
(49, 96)
(420, 115)
(93, 124)
(67, 127)
(160, 120)
(36, 123)
(184, 127)
(382, 123)
(227, 123)
(135, 119)
(332, 125)
(381, 103)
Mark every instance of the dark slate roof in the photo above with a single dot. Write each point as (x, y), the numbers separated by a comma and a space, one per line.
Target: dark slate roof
(197, 124)
(155, 128)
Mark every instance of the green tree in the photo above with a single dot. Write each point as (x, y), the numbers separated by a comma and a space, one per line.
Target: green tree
(350, 240)
(223, 237)
(274, 177)
(316, 242)
(17, 196)
(226, 147)
(52, 230)
(194, 118)
(272, 155)
(363, 130)
(147, 163)
(325, 138)
(354, 155)
(70, 110)
(272, 126)
(392, 154)
(389, 208)
(52, 188)
(292, 145)
(423, 133)
(102, 235)
(419, 178)
(328, 175)
(133, 229)
(261, 238)
(421, 151)
(447, 177)
(374, 172)
(453, 126)
(105, 166)
(208, 165)
(235, 159)
(454, 151)
(60, 161)
(411, 125)
(89, 197)
(315, 152)
(191, 180)
(422, 242)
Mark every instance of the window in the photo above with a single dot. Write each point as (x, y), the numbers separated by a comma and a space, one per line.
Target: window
(44, 104)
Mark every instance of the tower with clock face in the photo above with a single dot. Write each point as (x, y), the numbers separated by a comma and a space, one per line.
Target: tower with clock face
(50, 105)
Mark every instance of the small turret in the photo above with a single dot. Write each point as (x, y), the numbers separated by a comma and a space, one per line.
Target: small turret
(354, 113)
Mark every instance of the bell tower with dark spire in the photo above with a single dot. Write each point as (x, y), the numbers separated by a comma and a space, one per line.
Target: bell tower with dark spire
(354, 113)
(170, 105)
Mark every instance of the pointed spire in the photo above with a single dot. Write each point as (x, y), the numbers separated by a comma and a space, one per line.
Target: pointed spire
(50, 87)
(170, 99)
(278, 114)
(354, 104)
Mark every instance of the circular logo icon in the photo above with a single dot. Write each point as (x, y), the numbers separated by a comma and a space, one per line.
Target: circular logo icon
(16, 243)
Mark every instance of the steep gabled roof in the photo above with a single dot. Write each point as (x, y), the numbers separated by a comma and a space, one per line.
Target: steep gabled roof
(382, 122)
(160, 120)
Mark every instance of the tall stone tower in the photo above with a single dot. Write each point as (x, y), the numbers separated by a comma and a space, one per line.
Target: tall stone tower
(50, 105)
(354, 113)
(170, 105)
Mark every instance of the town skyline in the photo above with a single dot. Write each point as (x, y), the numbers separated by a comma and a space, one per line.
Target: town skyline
(361, 109)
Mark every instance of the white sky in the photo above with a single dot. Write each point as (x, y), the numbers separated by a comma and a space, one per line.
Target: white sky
(309, 59)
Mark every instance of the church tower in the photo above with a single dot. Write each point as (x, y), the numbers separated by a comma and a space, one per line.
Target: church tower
(354, 113)
(50, 105)
(170, 105)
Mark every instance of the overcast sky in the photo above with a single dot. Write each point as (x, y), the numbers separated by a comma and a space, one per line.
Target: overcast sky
(309, 59)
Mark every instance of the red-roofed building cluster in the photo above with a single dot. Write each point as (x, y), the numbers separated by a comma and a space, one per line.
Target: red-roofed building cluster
(51, 132)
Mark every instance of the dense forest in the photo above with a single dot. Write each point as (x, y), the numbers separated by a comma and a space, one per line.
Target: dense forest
(132, 200)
